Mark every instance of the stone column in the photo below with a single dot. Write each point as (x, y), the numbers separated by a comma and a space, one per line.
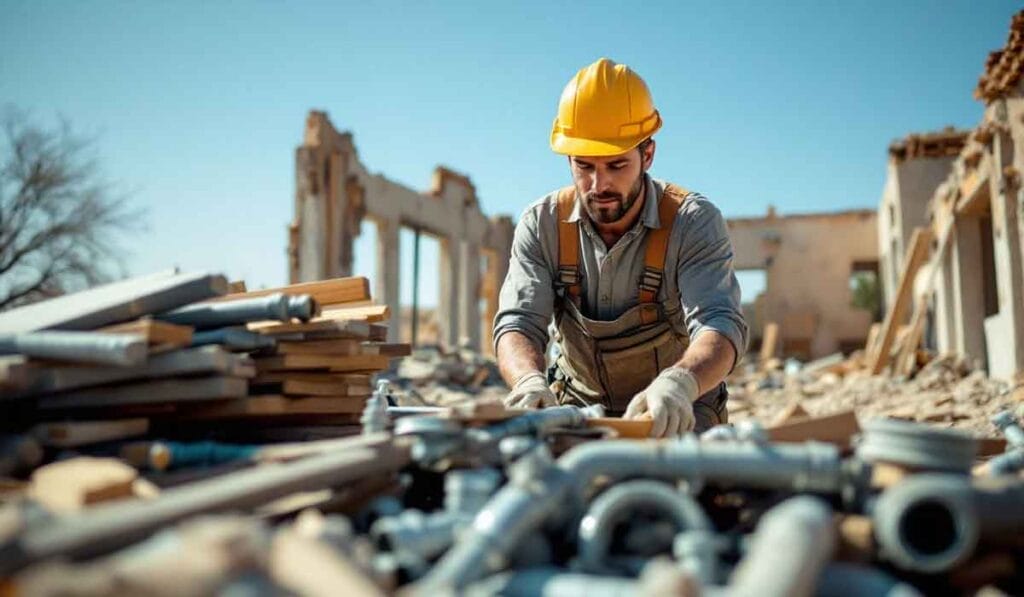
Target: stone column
(1008, 332)
(387, 283)
(469, 301)
(448, 307)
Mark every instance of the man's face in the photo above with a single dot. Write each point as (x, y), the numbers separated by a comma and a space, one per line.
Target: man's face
(610, 185)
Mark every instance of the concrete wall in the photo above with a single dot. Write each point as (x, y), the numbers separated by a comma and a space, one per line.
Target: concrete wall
(334, 192)
(808, 260)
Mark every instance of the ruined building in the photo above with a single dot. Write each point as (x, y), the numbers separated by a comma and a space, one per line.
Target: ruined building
(808, 261)
(334, 192)
(950, 229)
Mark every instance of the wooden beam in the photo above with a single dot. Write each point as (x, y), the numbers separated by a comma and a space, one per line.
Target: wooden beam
(71, 434)
(151, 392)
(333, 363)
(155, 332)
(113, 303)
(325, 292)
(915, 256)
(267, 406)
(769, 342)
(837, 429)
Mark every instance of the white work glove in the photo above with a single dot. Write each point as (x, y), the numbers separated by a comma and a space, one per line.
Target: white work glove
(531, 391)
(669, 401)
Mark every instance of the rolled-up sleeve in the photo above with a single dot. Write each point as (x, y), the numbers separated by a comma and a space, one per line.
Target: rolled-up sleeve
(708, 289)
(527, 296)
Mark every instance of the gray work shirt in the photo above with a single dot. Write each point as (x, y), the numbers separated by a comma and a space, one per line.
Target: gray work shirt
(702, 295)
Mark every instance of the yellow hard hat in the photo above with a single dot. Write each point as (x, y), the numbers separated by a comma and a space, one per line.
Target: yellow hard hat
(606, 109)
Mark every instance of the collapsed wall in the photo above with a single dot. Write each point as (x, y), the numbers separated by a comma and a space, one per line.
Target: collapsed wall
(334, 192)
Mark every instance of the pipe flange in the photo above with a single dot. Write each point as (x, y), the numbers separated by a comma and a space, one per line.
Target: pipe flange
(917, 446)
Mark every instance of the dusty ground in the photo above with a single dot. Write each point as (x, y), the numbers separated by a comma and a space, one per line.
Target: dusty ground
(945, 392)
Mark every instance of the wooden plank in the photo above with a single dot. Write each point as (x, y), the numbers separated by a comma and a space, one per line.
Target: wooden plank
(14, 373)
(155, 332)
(69, 485)
(837, 429)
(384, 349)
(325, 292)
(337, 328)
(298, 387)
(71, 434)
(624, 428)
(873, 332)
(916, 255)
(906, 359)
(265, 406)
(311, 376)
(150, 392)
(113, 303)
(340, 347)
(205, 359)
(367, 313)
(334, 363)
(769, 341)
(791, 414)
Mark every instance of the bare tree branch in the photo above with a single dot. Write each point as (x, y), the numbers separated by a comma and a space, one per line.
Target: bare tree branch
(60, 221)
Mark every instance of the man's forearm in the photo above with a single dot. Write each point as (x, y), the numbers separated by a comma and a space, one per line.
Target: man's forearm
(517, 356)
(709, 358)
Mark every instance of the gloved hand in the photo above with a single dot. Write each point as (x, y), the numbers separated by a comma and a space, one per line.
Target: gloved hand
(531, 391)
(669, 401)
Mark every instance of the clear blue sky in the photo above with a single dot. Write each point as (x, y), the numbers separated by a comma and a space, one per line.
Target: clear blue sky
(198, 106)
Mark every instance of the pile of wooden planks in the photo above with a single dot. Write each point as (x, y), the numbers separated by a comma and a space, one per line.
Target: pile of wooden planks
(180, 353)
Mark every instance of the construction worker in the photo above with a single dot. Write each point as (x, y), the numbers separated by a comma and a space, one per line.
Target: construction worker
(635, 273)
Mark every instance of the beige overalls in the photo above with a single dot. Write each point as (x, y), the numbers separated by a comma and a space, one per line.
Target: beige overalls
(608, 362)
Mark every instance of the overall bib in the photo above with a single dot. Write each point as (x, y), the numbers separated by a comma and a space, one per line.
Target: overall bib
(608, 362)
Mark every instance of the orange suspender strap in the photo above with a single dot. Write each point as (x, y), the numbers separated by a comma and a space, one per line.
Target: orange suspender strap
(657, 242)
(568, 245)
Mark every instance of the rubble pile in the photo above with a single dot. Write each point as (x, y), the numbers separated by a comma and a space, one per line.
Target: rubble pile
(945, 392)
(431, 376)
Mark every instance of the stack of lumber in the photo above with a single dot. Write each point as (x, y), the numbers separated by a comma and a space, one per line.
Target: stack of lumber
(175, 353)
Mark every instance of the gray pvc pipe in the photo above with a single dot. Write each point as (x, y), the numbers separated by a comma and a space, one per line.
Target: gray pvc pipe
(792, 543)
(932, 522)
(86, 347)
(523, 505)
(552, 582)
(275, 307)
(618, 504)
(851, 580)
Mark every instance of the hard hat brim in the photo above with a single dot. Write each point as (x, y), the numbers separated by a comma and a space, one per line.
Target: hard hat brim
(566, 145)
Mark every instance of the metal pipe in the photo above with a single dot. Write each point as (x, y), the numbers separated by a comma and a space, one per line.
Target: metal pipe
(276, 307)
(105, 528)
(524, 504)
(792, 543)
(553, 582)
(1008, 463)
(932, 522)
(1007, 423)
(535, 422)
(234, 338)
(88, 347)
(850, 580)
(621, 503)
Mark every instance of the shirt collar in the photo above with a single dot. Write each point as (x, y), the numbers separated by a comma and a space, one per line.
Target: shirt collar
(648, 215)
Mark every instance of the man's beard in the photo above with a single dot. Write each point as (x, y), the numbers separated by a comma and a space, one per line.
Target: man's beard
(612, 211)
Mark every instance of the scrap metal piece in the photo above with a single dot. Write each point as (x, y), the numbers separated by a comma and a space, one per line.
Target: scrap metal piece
(917, 446)
(276, 307)
(85, 347)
